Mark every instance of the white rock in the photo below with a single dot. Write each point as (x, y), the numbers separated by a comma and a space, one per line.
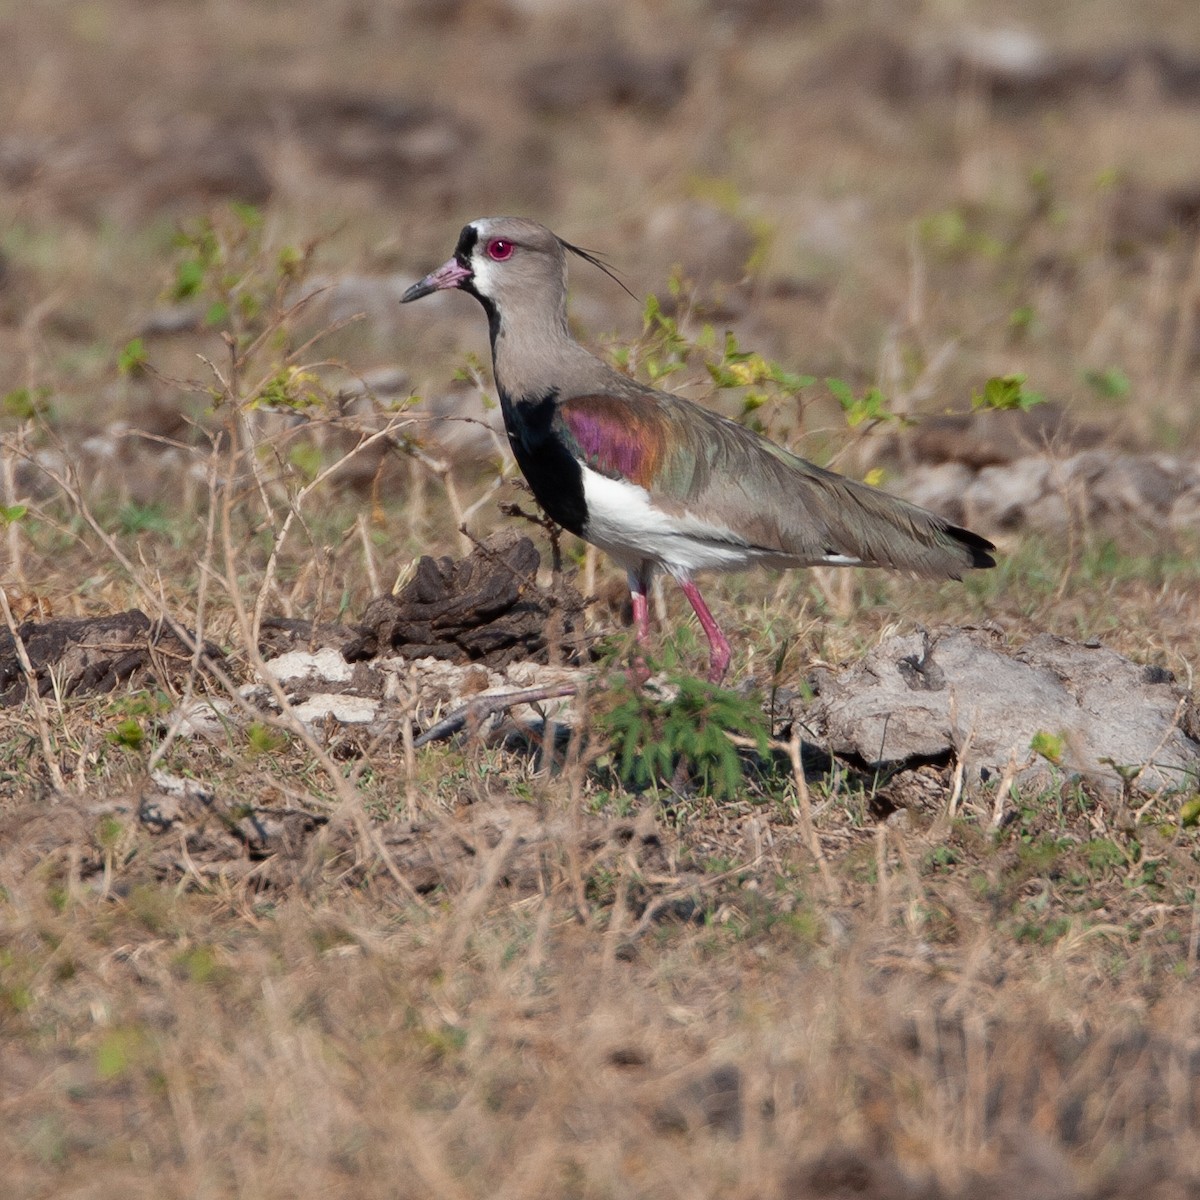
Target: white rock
(176, 785)
(939, 488)
(347, 710)
(998, 496)
(298, 666)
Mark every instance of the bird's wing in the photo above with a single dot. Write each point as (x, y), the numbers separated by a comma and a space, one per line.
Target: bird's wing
(627, 437)
(696, 463)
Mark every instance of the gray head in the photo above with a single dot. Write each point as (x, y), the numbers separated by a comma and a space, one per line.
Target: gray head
(517, 269)
(508, 264)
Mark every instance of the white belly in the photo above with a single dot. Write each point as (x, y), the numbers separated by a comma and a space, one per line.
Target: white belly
(623, 523)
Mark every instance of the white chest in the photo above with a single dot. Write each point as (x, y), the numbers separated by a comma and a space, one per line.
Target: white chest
(624, 522)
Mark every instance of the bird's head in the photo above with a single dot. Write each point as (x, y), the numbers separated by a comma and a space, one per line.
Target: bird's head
(510, 264)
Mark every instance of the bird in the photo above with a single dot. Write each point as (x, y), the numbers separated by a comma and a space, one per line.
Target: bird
(656, 481)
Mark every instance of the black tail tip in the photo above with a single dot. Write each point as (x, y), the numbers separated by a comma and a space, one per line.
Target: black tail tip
(982, 551)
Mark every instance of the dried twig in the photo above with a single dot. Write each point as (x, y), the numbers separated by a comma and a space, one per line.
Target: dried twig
(35, 700)
(487, 706)
(804, 808)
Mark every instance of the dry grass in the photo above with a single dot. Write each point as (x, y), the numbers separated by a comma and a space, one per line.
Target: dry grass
(467, 975)
(196, 1037)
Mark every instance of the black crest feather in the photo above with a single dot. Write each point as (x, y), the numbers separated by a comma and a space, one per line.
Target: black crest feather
(597, 261)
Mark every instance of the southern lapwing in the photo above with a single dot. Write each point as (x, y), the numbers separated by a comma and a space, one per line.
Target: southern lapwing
(652, 479)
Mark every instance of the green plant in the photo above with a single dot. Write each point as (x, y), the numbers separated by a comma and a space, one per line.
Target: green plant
(265, 739)
(870, 407)
(652, 736)
(1109, 384)
(128, 733)
(762, 379)
(23, 404)
(135, 519)
(666, 348)
(959, 233)
(1004, 392)
(1050, 746)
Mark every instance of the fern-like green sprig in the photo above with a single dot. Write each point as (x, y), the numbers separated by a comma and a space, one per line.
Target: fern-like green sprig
(651, 734)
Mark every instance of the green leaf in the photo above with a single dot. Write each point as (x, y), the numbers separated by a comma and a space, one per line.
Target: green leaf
(306, 458)
(12, 513)
(733, 352)
(118, 1050)
(1005, 392)
(134, 518)
(217, 314)
(843, 393)
(128, 733)
(133, 357)
(24, 403)
(1109, 384)
(870, 406)
(290, 261)
(1049, 745)
(289, 388)
(789, 381)
(1022, 317)
(189, 279)
(249, 215)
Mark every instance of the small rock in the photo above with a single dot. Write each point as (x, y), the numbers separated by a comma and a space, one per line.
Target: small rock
(1096, 703)
(302, 666)
(758, 14)
(939, 488)
(346, 710)
(998, 497)
(177, 785)
(712, 1098)
(984, 439)
(208, 718)
(1134, 485)
(1140, 213)
(1185, 512)
(841, 1173)
(392, 140)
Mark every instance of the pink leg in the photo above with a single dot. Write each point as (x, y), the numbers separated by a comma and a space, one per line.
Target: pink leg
(719, 651)
(639, 582)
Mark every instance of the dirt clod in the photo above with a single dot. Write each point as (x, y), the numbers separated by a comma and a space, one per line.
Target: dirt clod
(92, 654)
(486, 607)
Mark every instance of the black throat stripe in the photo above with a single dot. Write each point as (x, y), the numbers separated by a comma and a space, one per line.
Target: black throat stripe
(463, 252)
(552, 471)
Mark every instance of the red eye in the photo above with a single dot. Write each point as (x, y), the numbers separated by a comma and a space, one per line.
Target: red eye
(498, 249)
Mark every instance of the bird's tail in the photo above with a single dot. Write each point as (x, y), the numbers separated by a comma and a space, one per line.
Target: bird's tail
(881, 530)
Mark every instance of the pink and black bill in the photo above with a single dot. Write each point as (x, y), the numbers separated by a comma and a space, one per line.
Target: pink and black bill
(449, 275)
(457, 272)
